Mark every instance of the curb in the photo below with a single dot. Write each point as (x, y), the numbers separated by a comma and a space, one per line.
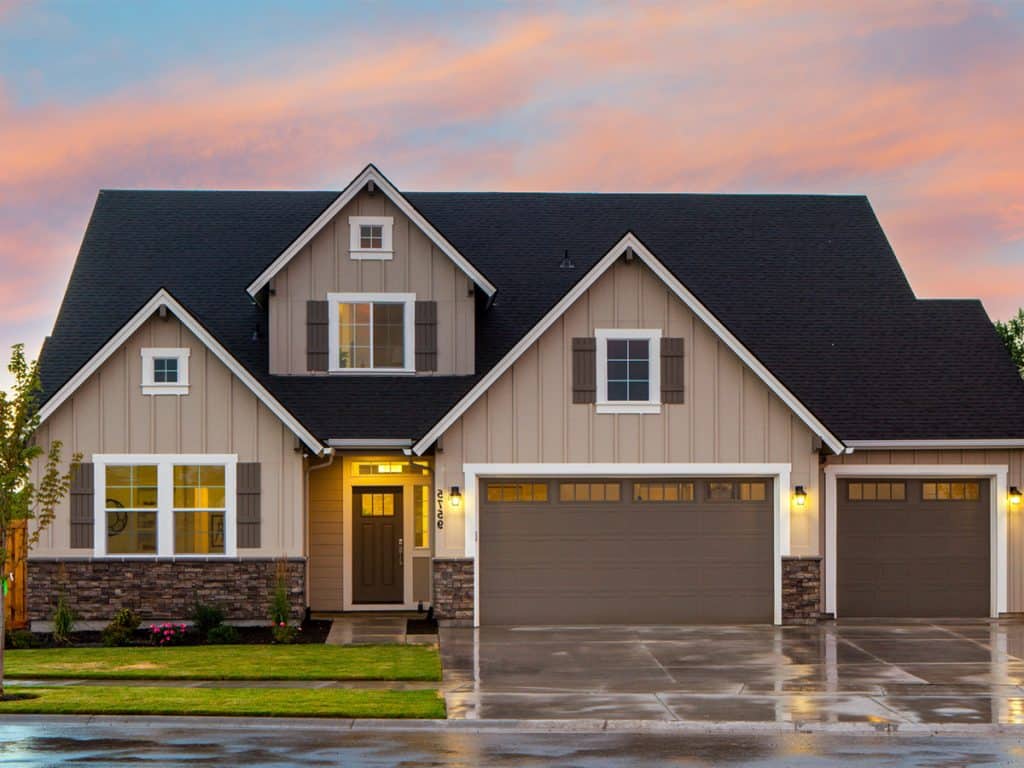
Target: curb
(661, 727)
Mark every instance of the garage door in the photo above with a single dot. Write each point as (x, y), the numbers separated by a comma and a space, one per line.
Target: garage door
(912, 548)
(611, 551)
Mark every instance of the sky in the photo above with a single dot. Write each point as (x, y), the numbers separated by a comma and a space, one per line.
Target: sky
(918, 104)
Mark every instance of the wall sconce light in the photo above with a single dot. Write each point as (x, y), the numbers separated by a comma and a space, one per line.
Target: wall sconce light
(800, 496)
(1015, 495)
(455, 497)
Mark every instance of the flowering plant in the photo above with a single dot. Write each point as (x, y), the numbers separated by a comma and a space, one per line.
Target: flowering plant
(167, 634)
(285, 633)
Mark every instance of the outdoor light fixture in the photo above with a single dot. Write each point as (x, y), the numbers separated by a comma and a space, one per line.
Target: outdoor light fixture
(799, 496)
(1014, 495)
(455, 497)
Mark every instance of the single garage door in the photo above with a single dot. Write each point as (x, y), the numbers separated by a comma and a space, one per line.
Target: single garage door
(616, 551)
(913, 548)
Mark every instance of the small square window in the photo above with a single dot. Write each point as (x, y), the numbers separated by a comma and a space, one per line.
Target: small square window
(628, 371)
(371, 236)
(165, 370)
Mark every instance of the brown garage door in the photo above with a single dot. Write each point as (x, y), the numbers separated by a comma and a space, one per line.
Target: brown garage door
(585, 551)
(912, 548)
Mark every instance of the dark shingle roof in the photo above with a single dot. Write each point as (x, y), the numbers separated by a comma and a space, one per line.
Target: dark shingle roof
(808, 283)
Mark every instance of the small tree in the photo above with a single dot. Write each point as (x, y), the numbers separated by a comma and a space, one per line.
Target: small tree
(1012, 334)
(20, 498)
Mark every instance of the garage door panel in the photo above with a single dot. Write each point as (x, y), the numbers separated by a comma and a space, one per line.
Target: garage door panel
(915, 558)
(626, 562)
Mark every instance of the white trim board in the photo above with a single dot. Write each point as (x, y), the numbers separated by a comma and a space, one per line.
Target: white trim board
(909, 445)
(370, 173)
(163, 298)
(995, 473)
(779, 473)
(632, 242)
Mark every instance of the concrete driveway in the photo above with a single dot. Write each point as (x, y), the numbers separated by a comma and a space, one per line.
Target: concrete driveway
(877, 673)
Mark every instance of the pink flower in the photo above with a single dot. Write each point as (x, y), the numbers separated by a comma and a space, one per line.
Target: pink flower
(281, 624)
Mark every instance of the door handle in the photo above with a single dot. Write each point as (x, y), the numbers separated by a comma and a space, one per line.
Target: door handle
(401, 552)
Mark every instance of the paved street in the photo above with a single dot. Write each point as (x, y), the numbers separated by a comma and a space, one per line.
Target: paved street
(272, 743)
(905, 673)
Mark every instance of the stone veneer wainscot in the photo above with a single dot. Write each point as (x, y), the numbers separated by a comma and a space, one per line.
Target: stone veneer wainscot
(163, 588)
(453, 591)
(801, 590)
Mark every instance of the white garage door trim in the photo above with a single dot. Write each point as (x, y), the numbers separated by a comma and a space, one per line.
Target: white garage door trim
(996, 473)
(780, 473)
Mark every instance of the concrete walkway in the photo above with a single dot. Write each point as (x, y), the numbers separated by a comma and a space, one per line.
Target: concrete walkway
(371, 629)
(881, 675)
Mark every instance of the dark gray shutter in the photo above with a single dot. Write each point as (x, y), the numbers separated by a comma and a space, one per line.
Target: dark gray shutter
(316, 335)
(584, 370)
(81, 497)
(672, 370)
(426, 335)
(247, 489)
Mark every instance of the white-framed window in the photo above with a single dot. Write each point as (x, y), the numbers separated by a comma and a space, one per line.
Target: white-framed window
(164, 505)
(628, 370)
(371, 332)
(370, 237)
(165, 370)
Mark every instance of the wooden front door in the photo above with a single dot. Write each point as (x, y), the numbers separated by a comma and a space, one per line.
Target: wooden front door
(378, 549)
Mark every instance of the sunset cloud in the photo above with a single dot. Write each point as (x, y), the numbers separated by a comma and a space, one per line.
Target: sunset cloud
(720, 96)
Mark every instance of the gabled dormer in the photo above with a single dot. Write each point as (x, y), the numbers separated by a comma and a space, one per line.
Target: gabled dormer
(371, 288)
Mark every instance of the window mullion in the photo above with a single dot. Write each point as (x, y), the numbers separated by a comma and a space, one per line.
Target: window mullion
(165, 509)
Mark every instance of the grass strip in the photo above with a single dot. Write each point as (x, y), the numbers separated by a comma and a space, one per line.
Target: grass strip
(249, 702)
(229, 662)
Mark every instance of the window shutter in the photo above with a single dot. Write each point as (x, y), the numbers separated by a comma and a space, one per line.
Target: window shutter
(247, 510)
(316, 335)
(584, 370)
(81, 496)
(426, 335)
(672, 370)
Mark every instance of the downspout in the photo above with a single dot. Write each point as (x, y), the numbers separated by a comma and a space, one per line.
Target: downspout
(305, 502)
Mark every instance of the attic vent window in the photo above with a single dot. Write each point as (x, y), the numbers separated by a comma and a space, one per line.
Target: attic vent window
(164, 371)
(371, 237)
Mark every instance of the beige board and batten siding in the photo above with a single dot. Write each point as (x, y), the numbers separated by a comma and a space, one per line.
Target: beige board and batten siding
(1014, 459)
(729, 414)
(109, 414)
(325, 266)
(330, 491)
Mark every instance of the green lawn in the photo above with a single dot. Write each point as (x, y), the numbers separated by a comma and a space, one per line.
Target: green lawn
(246, 702)
(230, 662)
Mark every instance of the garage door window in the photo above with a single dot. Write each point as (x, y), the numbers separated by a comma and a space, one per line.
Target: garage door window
(589, 492)
(515, 492)
(662, 491)
(951, 491)
(728, 490)
(861, 491)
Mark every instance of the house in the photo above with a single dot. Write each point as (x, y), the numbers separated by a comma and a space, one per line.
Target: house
(524, 408)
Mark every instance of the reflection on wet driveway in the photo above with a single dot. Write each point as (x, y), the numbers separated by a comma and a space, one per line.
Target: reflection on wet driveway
(885, 674)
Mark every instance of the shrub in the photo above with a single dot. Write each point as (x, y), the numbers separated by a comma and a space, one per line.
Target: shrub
(20, 639)
(280, 606)
(168, 634)
(285, 633)
(63, 622)
(206, 617)
(121, 628)
(222, 634)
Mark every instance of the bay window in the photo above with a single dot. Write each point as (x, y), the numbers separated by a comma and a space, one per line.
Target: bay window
(164, 505)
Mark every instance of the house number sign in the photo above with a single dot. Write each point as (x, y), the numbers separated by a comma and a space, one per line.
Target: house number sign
(440, 508)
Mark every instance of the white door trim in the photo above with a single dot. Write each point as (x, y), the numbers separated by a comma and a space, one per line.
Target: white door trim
(779, 473)
(995, 473)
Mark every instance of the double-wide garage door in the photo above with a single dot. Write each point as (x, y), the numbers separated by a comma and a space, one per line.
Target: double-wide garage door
(617, 551)
(913, 548)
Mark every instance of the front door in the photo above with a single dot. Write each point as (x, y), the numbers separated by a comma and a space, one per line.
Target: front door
(378, 567)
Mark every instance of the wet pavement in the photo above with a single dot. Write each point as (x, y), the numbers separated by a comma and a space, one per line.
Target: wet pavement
(197, 741)
(374, 629)
(884, 675)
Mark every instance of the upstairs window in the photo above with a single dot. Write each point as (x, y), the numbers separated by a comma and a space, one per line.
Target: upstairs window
(370, 237)
(628, 371)
(373, 332)
(164, 371)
